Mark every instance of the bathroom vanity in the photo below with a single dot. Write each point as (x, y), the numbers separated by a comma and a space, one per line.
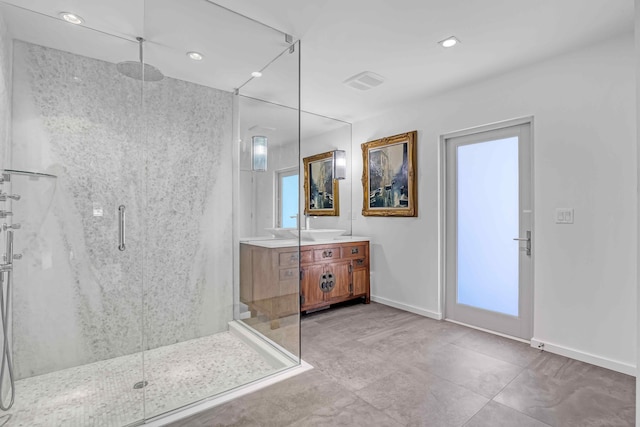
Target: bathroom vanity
(275, 275)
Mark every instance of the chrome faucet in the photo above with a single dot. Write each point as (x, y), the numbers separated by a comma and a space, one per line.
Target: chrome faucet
(307, 222)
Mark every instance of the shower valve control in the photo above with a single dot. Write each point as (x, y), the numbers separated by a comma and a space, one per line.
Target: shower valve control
(4, 214)
(4, 197)
(6, 227)
(15, 257)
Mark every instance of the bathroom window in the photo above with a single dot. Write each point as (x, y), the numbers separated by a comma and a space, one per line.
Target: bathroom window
(288, 198)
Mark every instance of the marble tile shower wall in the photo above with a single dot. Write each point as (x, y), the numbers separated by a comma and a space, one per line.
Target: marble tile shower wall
(5, 92)
(5, 114)
(78, 299)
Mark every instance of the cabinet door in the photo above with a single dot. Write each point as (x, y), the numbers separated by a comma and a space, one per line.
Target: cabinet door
(360, 281)
(341, 276)
(310, 285)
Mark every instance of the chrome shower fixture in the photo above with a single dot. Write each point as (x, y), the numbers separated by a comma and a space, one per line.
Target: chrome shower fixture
(139, 70)
(6, 268)
(4, 197)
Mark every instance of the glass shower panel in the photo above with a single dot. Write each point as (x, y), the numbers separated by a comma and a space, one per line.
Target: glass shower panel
(194, 348)
(268, 274)
(76, 323)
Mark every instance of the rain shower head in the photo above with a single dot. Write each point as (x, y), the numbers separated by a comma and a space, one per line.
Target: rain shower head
(134, 70)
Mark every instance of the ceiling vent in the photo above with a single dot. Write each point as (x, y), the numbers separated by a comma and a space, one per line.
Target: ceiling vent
(364, 81)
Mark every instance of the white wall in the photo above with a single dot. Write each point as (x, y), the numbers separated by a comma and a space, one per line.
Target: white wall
(585, 158)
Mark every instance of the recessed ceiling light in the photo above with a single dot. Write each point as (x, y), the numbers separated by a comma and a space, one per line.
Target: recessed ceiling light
(71, 17)
(256, 74)
(449, 42)
(195, 56)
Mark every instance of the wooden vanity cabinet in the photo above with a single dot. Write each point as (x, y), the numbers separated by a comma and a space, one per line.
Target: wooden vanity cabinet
(269, 281)
(271, 284)
(332, 273)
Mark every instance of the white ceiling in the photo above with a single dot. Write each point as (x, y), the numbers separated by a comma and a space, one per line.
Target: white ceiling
(397, 40)
(233, 46)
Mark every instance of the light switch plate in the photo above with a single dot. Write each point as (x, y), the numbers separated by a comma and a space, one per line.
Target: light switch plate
(564, 215)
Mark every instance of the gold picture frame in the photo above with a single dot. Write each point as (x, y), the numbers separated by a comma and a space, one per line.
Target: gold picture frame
(321, 190)
(389, 176)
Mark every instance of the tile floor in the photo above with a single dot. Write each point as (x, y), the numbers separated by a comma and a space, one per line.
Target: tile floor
(378, 366)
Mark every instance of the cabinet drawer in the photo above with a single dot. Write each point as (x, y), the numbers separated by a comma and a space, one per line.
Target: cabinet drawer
(360, 263)
(287, 259)
(326, 254)
(354, 251)
(289, 274)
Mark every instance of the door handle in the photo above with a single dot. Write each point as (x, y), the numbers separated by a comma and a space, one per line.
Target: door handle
(121, 228)
(525, 239)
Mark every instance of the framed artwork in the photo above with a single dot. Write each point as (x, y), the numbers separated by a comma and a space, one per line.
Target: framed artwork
(389, 176)
(321, 196)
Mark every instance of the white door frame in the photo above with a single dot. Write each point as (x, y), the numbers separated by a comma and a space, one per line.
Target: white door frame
(442, 211)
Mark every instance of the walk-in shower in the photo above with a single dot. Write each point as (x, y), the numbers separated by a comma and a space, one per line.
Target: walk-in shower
(125, 305)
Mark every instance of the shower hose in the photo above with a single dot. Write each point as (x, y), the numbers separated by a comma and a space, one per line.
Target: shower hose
(7, 366)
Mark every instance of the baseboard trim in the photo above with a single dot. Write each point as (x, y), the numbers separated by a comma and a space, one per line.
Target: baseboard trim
(603, 362)
(407, 307)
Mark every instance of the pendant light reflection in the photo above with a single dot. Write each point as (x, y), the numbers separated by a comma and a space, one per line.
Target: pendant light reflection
(339, 164)
(259, 153)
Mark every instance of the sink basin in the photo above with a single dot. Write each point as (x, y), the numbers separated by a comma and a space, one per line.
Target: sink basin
(319, 234)
(283, 233)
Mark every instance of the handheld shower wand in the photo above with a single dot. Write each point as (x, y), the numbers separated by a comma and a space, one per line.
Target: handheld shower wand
(7, 365)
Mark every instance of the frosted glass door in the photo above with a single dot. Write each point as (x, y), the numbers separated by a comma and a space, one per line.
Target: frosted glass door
(488, 204)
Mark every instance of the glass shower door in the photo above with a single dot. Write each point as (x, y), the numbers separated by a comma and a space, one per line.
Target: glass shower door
(77, 297)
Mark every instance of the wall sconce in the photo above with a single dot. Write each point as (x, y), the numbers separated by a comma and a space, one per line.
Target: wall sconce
(259, 153)
(339, 164)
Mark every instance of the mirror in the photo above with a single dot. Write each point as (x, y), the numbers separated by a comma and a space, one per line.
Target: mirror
(276, 196)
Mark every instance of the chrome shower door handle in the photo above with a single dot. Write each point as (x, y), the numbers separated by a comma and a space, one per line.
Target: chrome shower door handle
(526, 239)
(9, 254)
(121, 227)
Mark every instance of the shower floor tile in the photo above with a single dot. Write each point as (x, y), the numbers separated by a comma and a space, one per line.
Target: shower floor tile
(102, 393)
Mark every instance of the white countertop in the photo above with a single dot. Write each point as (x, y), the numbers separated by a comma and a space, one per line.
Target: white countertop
(284, 243)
